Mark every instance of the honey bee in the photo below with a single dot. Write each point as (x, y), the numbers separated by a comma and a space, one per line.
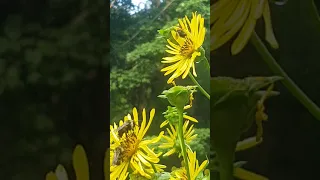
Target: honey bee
(117, 156)
(126, 127)
(181, 33)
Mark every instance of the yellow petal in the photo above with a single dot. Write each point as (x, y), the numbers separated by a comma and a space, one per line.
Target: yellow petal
(217, 41)
(247, 175)
(51, 176)
(270, 37)
(217, 9)
(245, 33)
(80, 163)
(172, 151)
(259, 8)
(106, 164)
(151, 115)
(190, 118)
(164, 123)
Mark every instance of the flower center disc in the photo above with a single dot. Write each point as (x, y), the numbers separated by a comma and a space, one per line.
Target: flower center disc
(130, 145)
(187, 48)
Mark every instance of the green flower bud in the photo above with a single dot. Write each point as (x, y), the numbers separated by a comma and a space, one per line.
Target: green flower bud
(172, 115)
(178, 96)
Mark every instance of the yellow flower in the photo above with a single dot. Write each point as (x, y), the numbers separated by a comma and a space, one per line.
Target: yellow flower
(173, 141)
(131, 151)
(189, 38)
(231, 16)
(194, 168)
(80, 164)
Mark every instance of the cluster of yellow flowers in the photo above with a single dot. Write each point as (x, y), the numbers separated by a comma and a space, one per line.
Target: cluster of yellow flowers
(129, 151)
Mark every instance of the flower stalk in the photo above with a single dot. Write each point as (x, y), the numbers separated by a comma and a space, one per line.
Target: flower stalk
(204, 92)
(290, 85)
(182, 141)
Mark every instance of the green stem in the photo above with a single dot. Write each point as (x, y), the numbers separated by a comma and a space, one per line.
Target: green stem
(203, 54)
(204, 92)
(182, 142)
(207, 63)
(292, 87)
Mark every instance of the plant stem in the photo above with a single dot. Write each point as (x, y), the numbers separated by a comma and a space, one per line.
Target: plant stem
(182, 142)
(291, 86)
(203, 52)
(204, 92)
(208, 63)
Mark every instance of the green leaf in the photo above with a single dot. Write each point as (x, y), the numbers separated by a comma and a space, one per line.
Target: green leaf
(231, 114)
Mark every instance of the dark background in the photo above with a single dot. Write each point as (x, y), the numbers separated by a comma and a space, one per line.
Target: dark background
(54, 81)
(291, 136)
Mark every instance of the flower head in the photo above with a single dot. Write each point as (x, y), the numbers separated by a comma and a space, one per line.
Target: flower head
(194, 168)
(189, 37)
(172, 140)
(128, 149)
(232, 16)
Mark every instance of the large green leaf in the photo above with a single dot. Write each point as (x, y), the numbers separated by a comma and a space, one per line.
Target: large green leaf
(232, 105)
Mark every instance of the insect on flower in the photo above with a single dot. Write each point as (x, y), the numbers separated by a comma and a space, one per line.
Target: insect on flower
(117, 156)
(180, 32)
(126, 127)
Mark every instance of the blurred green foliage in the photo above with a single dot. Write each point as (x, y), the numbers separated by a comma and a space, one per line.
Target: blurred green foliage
(136, 52)
(46, 60)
